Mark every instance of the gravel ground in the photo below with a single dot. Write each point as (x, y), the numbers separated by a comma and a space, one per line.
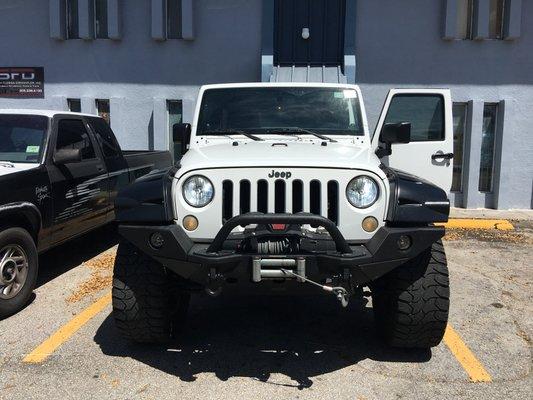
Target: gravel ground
(265, 345)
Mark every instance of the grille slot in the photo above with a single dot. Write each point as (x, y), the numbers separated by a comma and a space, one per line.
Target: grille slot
(317, 197)
(227, 200)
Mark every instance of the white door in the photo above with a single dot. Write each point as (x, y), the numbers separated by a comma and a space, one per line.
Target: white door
(429, 154)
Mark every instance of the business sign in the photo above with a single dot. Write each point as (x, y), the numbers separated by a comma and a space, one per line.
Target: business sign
(22, 82)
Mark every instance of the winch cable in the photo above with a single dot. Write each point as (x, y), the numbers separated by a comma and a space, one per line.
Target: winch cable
(340, 292)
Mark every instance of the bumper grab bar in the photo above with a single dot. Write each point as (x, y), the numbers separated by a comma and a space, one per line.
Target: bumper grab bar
(264, 219)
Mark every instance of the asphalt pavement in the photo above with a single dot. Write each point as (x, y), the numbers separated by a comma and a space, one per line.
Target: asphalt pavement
(268, 344)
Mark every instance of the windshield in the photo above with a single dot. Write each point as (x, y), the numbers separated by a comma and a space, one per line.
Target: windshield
(22, 137)
(323, 110)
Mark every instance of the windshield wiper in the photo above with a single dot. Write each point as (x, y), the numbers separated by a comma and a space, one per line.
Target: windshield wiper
(232, 132)
(296, 130)
(8, 164)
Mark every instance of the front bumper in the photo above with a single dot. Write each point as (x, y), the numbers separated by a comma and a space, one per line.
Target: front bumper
(198, 261)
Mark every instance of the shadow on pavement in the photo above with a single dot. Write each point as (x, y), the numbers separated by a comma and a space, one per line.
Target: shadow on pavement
(63, 258)
(256, 336)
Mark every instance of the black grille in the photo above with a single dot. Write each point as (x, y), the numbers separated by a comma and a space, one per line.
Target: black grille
(279, 201)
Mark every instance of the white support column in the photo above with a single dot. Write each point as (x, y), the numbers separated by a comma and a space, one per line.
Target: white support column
(159, 23)
(114, 19)
(58, 21)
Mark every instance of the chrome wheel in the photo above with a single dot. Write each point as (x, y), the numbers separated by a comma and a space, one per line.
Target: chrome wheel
(13, 270)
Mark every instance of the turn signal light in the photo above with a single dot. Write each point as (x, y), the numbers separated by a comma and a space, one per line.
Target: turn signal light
(190, 222)
(370, 224)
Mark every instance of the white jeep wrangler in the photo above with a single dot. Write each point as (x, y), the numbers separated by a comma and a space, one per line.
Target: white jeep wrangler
(284, 182)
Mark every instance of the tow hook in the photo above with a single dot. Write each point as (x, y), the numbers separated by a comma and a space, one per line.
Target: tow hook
(339, 292)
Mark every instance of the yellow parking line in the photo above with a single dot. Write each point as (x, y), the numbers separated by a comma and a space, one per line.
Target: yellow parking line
(463, 223)
(466, 358)
(46, 348)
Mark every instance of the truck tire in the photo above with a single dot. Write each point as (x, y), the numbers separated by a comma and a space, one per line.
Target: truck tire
(147, 306)
(19, 263)
(411, 302)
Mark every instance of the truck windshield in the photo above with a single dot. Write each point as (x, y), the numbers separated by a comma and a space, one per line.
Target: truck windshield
(22, 138)
(279, 110)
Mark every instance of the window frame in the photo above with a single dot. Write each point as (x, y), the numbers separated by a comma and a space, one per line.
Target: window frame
(500, 21)
(96, 22)
(466, 109)
(69, 102)
(443, 127)
(97, 103)
(494, 141)
(179, 27)
(68, 25)
(469, 21)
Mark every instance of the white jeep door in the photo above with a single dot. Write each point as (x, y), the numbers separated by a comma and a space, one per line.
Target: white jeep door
(429, 154)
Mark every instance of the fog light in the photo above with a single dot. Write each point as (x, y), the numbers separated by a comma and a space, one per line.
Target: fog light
(157, 240)
(404, 242)
(370, 224)
(190, 223)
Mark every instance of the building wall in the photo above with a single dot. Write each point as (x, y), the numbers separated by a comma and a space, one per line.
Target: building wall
(403, 46)
(137, 73)
(397, 44)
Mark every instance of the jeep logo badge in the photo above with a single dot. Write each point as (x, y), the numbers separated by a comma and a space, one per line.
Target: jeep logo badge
(277, 174)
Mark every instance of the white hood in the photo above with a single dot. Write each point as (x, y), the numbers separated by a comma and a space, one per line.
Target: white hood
(288, 154)
(8, 168)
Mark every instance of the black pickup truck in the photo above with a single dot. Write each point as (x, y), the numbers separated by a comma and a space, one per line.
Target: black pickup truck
(59, 175)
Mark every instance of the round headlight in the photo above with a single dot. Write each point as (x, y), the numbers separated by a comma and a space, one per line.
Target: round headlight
(198, 191)
(362, 191)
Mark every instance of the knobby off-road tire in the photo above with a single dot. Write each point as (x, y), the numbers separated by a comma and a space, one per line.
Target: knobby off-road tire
(16, 289)
(148, 307)
(411, 302)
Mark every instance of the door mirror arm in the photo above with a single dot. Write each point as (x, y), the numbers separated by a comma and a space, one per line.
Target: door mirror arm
(181, 133)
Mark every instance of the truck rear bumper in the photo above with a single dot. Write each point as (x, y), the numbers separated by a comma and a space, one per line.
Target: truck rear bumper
(170, 246)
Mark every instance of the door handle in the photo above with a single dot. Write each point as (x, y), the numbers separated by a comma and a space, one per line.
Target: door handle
(99, 168)
(305, 33)
(444, 156)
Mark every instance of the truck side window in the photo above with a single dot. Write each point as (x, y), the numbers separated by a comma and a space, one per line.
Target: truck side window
(424, 112)
(71, 134)
(105, 137)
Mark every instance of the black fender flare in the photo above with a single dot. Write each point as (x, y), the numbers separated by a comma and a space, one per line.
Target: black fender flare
(28, 211)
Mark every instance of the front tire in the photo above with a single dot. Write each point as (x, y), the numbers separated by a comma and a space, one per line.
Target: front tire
(411, 303)
(19, 264)
(147, 307)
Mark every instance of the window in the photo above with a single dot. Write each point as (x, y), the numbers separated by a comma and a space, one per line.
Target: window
(22, 137)
(496, 19)
(459, 129)
(71, 134)
(486, 167)
(100, 19)
(73, 31)
(102, 106)
(424, 112)
(105, 137)
(464, 19)
(173, 19)
(263, 110)
(175, 116)
(74, 105)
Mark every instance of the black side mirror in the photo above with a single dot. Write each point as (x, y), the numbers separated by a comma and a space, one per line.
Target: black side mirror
(181, 133)
(396, 133)
(67, 156)
(391, 134)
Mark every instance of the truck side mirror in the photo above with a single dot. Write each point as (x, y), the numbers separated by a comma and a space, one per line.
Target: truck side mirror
(181, 134)
(392, 134)
(67, 156)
